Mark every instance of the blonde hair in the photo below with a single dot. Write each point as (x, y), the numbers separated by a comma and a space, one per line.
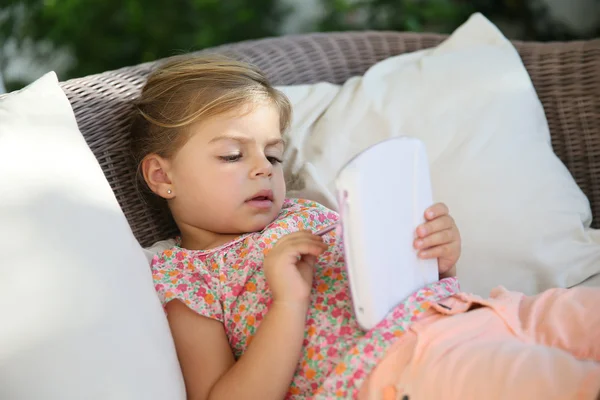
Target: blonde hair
(190, 89)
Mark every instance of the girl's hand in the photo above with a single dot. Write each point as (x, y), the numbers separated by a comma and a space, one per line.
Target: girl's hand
(290, 264)
(439, 238)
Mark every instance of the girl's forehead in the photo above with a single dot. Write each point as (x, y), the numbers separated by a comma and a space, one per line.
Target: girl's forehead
(260, 123)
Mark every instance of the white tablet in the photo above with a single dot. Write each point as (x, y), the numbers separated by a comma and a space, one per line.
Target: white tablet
(383, 193)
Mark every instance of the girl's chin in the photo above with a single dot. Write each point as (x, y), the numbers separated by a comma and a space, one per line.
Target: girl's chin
(259, 224)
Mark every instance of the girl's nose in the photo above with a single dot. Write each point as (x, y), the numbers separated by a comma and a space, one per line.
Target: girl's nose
(263, 167)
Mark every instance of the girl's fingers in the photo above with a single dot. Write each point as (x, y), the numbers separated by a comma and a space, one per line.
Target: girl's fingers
(436, 239)
(443, 251)
(300, 236)
(309, 259)
(436, 225)
(436, 210)
(308, 248)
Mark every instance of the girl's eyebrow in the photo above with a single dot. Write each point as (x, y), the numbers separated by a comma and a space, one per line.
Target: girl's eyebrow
(242, 139)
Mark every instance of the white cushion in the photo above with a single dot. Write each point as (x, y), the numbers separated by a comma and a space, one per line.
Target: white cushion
(79, 315)
(524, 221)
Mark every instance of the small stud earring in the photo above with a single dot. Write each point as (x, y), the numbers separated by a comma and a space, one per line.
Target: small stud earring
(169, 191)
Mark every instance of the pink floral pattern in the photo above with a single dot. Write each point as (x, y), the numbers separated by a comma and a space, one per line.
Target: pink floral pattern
(227, 283)
(349, 374)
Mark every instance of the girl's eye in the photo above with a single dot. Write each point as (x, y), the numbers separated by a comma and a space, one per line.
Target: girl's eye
(231, 158)
(274, 160)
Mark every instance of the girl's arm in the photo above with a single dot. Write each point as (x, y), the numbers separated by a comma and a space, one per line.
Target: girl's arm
(266, 369)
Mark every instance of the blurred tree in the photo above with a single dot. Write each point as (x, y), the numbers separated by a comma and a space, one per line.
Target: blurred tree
(398, 15)
(108, 34)
(8, 21)
(519, 19)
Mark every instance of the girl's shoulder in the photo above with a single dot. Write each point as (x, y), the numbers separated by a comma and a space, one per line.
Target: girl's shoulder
(174, 256)
(295, 215)
(292, 203)
(186, 261)
(298, 214)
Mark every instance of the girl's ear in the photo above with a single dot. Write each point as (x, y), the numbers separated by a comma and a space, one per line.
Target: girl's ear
(155, 170)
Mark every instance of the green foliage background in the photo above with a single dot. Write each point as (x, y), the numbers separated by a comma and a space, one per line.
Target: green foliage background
(415, 16)
(108, 34)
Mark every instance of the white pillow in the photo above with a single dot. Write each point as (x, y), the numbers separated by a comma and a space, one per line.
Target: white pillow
(79, 318)
(524, 221)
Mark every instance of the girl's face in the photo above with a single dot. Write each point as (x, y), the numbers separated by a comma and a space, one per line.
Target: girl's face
(228, 177)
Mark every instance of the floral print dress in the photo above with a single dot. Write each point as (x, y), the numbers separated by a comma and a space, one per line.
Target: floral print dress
(227, 284)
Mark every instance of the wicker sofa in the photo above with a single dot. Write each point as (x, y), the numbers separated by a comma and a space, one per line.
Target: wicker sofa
(565, 75)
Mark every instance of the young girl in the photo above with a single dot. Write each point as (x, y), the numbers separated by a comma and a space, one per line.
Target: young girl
(262, 306)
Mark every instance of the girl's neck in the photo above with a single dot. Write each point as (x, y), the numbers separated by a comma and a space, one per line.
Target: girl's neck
(198, 239)
(207, 243)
